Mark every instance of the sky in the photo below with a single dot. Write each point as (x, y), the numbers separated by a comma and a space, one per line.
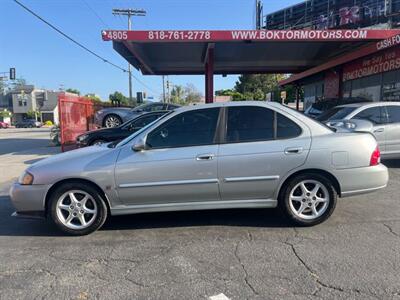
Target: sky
(46, 59)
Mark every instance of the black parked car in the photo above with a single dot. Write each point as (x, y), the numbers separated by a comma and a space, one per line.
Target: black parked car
(118, 133)
(28, 123)
(322, 106)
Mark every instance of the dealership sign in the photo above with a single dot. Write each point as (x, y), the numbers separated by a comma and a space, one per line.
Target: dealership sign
(385, 61)
(245, 35)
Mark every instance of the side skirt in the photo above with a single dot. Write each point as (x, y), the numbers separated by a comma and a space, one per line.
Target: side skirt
(182, 206)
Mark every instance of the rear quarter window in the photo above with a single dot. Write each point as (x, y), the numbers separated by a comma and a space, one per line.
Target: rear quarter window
(286, 128)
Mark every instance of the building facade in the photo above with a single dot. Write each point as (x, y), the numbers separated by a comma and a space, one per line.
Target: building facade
(27, 99)
(374, 76)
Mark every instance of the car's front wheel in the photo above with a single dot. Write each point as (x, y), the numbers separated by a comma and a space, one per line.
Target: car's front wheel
(308, 199)
(77, 208)
(111, 121)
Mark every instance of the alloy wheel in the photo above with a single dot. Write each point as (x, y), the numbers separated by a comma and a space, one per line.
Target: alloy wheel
(112, 121)
(309, 199)
(76, 209)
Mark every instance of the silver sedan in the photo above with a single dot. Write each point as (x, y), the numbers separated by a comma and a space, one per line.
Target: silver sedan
(215, 156)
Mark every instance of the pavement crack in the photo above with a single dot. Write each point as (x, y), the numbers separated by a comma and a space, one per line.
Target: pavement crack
(139, 284)
(391, 229)
(315, 276)
(246, 277)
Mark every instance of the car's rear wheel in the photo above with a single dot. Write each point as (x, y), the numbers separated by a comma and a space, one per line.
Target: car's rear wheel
(77, 208)
(111, 121)
(308, 199)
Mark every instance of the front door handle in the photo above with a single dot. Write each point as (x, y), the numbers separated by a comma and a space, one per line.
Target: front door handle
(379, 130)
(294, 150)
(208, 156)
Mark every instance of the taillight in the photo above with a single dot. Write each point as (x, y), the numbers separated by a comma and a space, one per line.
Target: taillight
(375, 157)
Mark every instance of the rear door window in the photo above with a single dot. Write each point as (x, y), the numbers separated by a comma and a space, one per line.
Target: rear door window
(372, 114)
(249, 124)
(393, 114)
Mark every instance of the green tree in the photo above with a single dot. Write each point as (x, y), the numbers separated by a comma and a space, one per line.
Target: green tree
(192, 95)
(94, 98)
(256, 86)
(118, 98)
(73, 91)
(236, 96)
(32, 114)
(5, 114)
(177, 94)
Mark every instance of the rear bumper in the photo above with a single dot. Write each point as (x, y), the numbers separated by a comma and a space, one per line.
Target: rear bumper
(28, 199)
(362, 180)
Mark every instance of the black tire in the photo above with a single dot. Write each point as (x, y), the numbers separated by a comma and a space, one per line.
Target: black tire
(97, 141)
(284, 201)
(30, 126)
(96, 196)
(118, 120)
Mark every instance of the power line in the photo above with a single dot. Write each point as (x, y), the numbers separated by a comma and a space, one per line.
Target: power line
(96, 14)
(80, 45)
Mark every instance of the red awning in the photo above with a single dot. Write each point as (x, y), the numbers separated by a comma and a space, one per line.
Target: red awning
(163, 52)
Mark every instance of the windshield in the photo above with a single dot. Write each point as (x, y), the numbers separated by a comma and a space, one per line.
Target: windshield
(336, 113)
(135, 134)
(141, 107)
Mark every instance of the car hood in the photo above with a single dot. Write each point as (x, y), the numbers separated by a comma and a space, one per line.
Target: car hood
(72, 157)
(94, 163)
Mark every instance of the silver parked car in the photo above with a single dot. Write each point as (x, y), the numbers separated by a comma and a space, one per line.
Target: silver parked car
(385, 117)
(115, 116)
(215, 156)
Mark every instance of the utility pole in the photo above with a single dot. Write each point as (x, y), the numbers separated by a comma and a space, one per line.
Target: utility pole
(259, 14)
(163, 88)
(169, 100)
(129, 13)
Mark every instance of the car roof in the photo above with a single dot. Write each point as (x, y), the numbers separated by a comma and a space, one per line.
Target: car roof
(370, 104)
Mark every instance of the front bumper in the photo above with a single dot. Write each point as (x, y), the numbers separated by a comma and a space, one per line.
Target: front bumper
(29, 199)
(362, 180)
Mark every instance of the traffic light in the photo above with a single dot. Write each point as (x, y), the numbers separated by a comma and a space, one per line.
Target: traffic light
(139, 97)
(12, 73)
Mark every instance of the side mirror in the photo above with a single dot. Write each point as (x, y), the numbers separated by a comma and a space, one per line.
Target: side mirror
(363, 125)
(140, 145)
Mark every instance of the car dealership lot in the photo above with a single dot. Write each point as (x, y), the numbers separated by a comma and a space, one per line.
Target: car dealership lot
(244, 254)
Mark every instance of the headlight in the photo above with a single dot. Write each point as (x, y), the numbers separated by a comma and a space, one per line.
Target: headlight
(82, 137)
(26, 178)
(349, 125)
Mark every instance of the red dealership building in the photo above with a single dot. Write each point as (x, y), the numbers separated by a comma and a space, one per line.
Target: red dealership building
(368, 71)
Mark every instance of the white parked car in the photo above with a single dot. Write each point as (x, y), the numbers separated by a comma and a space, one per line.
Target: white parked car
(384, 116)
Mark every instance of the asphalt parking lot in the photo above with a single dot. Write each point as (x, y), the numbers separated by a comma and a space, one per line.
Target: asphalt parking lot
(244, 254)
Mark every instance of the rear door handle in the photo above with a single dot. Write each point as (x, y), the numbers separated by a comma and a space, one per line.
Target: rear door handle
(208, 156)
(379, 130)
(294, 150)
